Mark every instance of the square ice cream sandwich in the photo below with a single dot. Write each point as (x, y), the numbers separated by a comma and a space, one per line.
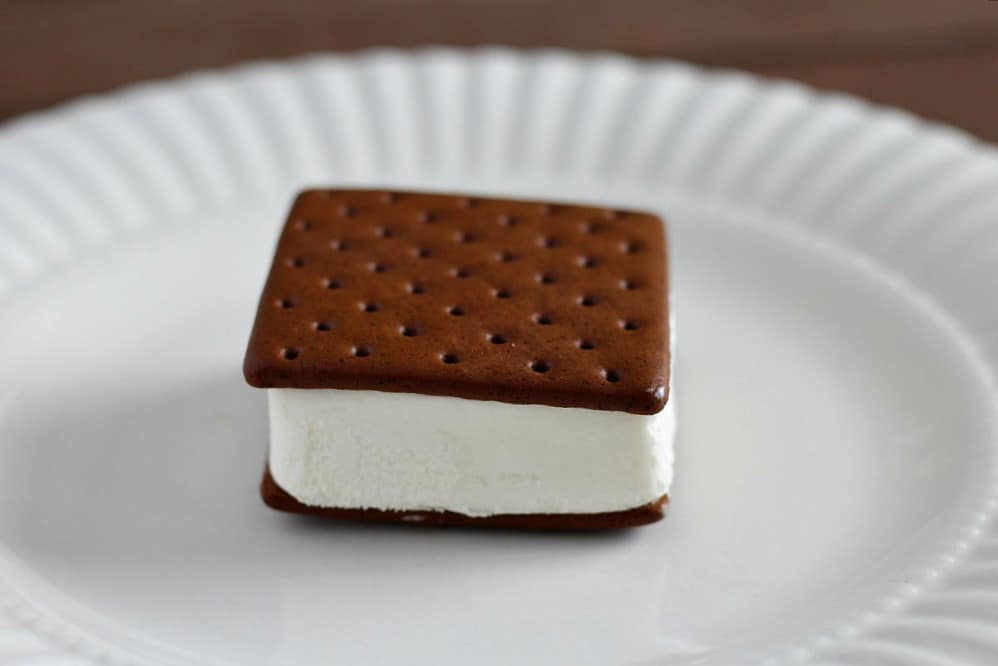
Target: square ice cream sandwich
(466, 361)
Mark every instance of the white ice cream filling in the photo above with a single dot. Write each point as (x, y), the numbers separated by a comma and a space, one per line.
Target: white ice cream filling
(403, 451)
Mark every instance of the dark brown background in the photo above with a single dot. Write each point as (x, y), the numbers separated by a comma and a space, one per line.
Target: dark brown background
(936, 57)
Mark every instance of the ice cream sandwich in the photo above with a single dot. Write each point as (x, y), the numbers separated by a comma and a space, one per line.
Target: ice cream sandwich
(456, 360)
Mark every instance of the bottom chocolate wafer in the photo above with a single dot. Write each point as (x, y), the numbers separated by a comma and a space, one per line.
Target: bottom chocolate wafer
(278, 498)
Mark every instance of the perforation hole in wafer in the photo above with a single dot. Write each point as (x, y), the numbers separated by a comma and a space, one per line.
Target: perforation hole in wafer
(539, 366)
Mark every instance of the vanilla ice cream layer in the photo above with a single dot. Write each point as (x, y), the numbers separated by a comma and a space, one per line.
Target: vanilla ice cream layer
(402, 451)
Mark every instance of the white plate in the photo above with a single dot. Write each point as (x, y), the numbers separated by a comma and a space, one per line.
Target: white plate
(835, 272)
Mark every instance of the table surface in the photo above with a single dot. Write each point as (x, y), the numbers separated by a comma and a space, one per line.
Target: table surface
(938, 59)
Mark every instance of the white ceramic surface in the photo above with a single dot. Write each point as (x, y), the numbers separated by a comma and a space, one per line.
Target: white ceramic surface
(835, 269)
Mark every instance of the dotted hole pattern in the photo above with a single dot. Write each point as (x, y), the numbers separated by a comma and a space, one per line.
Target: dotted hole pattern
(383, 278)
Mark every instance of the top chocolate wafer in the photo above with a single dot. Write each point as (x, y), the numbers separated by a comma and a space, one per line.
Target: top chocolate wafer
(487, 299)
